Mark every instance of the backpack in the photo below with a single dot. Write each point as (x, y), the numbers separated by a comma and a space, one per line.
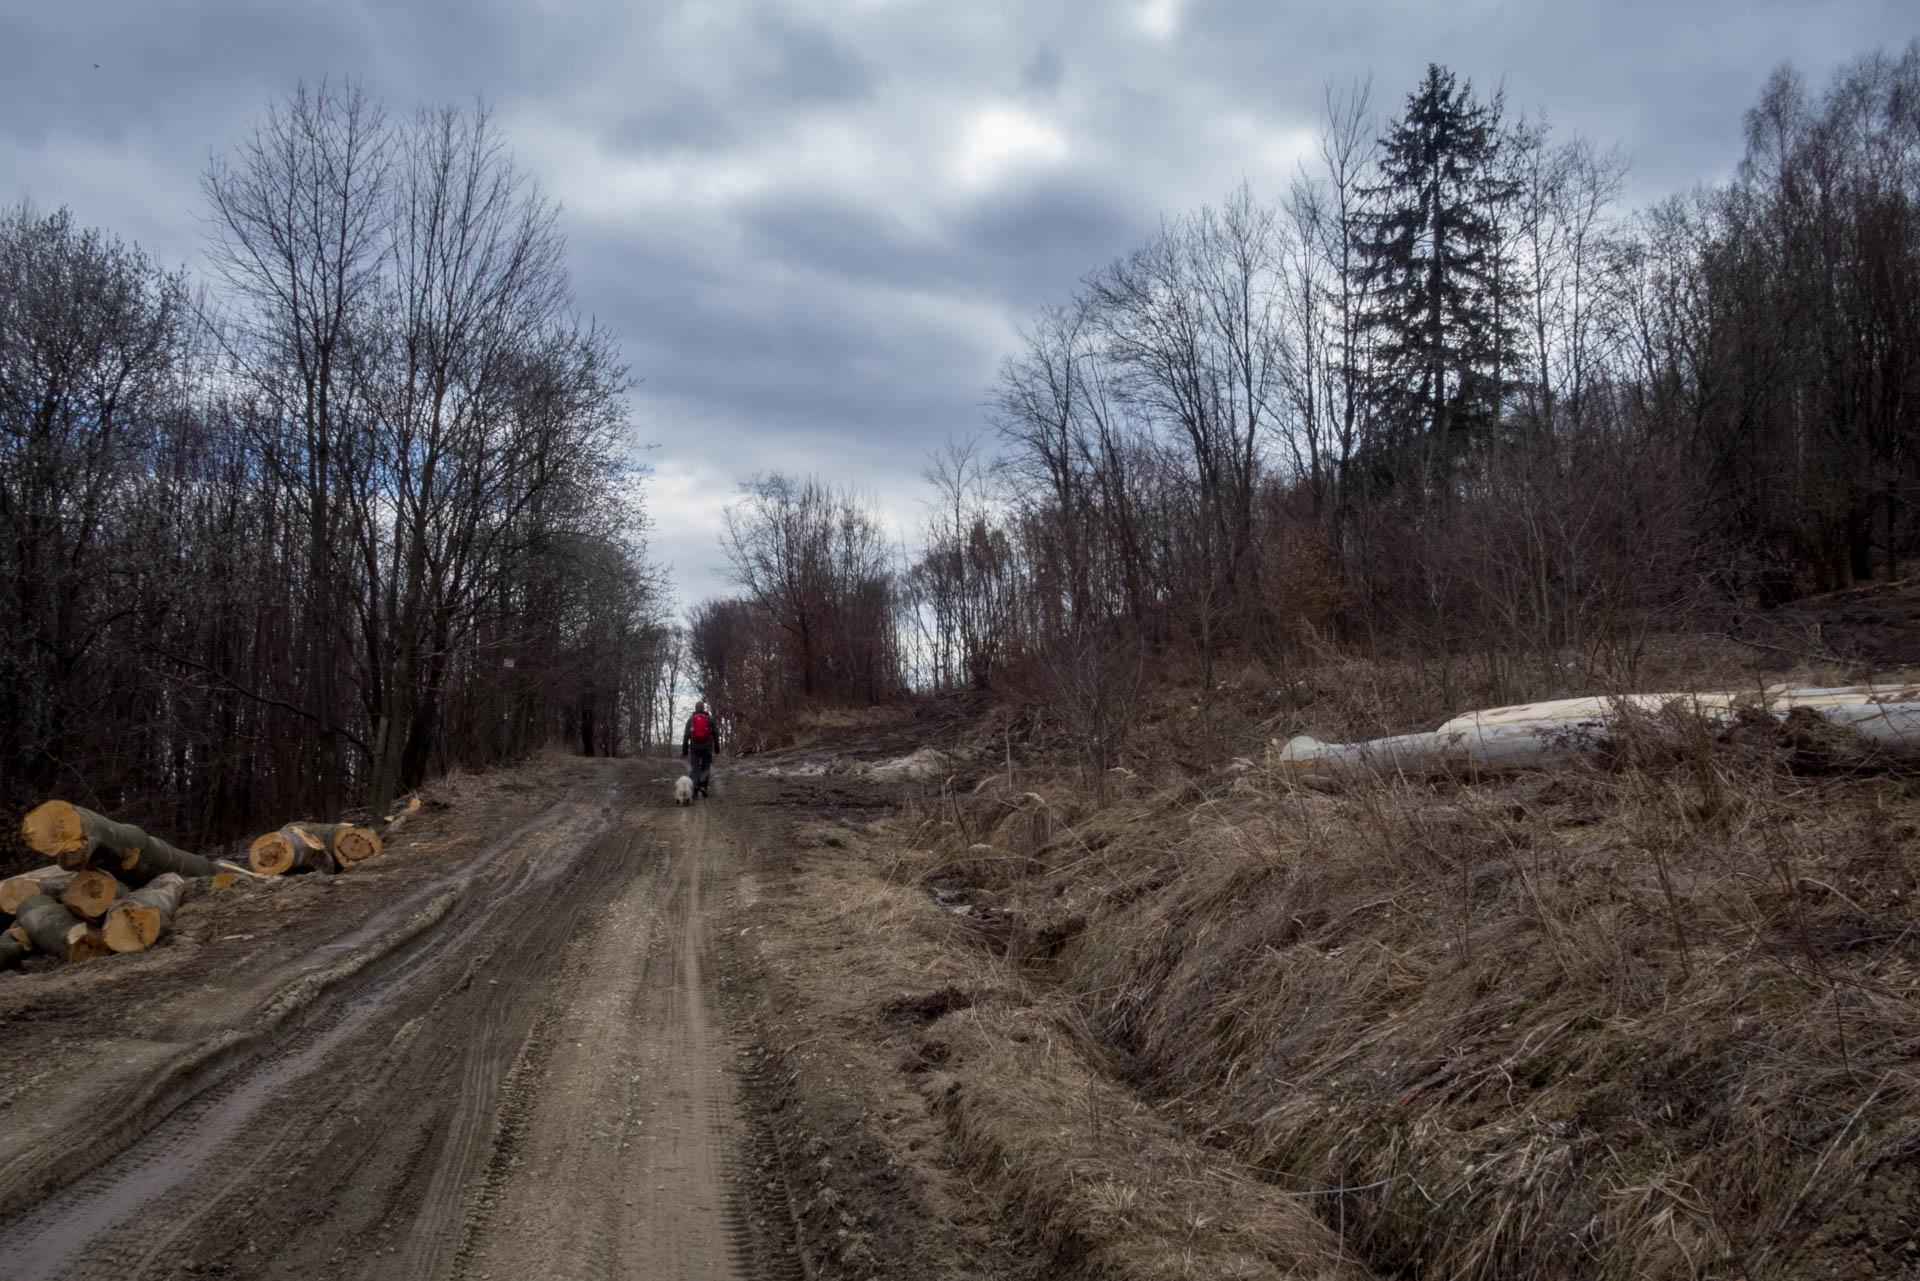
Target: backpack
(700, 728)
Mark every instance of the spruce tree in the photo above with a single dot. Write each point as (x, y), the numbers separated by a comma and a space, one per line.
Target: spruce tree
(1444, 350)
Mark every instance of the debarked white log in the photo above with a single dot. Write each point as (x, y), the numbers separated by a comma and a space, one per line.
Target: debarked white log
(1532, 736)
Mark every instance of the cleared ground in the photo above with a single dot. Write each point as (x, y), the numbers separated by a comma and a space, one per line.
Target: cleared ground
(876, 1011)
(502, 1050)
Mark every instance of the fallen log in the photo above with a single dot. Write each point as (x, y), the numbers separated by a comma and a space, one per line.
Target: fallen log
(1539, 736)
(312, 847)
(90, 893)
(48, 925)
(137, 921)
(72, 837)
(297, 847)
(12, 951)
(15, 890)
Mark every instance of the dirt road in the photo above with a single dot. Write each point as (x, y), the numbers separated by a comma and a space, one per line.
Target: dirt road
(530, 1081)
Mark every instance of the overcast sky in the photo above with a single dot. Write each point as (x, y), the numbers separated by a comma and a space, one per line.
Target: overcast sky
(816, 226)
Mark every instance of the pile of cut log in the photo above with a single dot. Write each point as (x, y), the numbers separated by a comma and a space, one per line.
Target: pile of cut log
(114, 888)
(312, 847)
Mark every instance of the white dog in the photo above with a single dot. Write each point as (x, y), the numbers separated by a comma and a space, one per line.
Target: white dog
(683, 790)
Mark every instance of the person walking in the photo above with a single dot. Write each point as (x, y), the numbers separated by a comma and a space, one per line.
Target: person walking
(700, 741)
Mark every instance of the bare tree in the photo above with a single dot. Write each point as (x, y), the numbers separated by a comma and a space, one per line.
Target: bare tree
(297, 219)
(1195, 329)
(818, 568)
(93, 337)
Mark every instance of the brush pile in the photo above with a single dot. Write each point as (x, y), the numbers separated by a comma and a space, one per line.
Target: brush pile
(112, 887)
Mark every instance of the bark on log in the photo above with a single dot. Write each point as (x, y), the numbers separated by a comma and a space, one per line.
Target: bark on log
(52, 929)
(15, 890)
(12, 951)
(72, 836)
(90, 893)
(137, 921)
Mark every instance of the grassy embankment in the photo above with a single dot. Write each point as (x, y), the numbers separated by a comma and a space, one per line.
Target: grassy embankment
(1654, 1018)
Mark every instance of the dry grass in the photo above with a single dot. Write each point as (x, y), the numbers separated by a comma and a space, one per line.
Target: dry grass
(1653, 1020)
(924, 1006)
(1110, 1185)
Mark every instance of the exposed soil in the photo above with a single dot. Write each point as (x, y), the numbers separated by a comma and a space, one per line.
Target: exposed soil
(531, 1040)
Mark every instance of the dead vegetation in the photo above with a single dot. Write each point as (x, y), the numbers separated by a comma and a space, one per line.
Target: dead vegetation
(1653, 1018)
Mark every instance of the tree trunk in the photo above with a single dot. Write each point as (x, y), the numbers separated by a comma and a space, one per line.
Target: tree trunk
(137, 921)
(15, 890)
(51, 928)
(90, 893)
(71, 836)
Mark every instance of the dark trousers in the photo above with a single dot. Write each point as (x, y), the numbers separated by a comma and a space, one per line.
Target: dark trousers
(702, 770)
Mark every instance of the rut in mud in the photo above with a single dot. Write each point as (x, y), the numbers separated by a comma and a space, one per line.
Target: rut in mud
(537, 1085)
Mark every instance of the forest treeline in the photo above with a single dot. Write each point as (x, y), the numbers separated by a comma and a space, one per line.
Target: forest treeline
(1448, 401)
(355, 507)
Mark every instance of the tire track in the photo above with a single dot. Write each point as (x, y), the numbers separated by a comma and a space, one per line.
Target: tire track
(173, 1180)
(538, 1086)
(634, 1104)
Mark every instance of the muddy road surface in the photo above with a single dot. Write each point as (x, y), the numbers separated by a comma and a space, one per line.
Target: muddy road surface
(500, 1053)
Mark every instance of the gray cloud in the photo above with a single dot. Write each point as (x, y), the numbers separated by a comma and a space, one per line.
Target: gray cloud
(817, 225)
(812, 64)
(1045, 72)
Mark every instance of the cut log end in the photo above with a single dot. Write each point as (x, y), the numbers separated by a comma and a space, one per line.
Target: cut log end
(356, 845)
(137, 921)
(55, 828)
(271, 855)
(90, 893)
(131, 928)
